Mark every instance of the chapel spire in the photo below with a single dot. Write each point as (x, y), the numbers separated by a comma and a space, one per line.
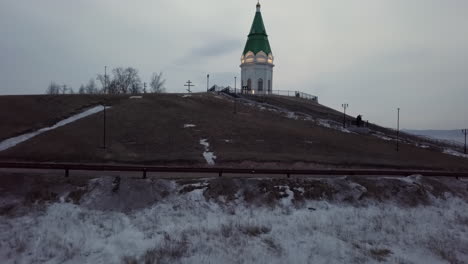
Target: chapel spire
(257, 59)
(258, 39)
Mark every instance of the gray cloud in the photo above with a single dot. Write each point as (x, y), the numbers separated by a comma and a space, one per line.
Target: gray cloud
(374, 55)
(216, 48)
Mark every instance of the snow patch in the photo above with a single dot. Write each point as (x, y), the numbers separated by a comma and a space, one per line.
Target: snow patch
(189, 125)
(207, 154)
(11, 142)
(291, 115)
(333, 125)
(455, 153)
(136, 97)
(324, 123)
(382, 136)
(422, 146)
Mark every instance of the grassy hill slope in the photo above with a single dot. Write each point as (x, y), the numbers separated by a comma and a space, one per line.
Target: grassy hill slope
(151, 130)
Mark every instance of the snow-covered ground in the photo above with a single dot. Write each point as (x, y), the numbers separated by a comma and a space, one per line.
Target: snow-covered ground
(455, 153)
(454, 136)
(11, 142)
(198, 222)
(296, 115)
(446, 136)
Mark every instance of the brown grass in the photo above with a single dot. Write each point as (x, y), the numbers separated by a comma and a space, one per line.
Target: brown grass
(21, 114)
(150, 131)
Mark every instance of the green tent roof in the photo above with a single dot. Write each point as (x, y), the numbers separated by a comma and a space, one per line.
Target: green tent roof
(258, 38)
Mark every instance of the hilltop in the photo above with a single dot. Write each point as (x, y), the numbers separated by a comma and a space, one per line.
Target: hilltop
(177, 129)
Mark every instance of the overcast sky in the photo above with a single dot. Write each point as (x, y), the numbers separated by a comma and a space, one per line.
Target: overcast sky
(375, 55)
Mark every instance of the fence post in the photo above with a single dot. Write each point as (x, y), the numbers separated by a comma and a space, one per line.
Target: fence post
(67, 173)
(220, 174)
(144, 173)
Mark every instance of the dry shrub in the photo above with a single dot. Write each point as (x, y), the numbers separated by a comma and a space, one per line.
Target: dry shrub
(169, 251)
(227, 230)
(75, 196)
(254, 230)
(191, 188)
(273, 246)
(380, 254)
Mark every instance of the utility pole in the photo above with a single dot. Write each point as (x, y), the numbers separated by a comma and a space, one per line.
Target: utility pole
(465, 132)
(235, 84)
(345, 106)
(398, 132)
(207, 82)
(144, 87)
(189, 84)
(104, 127)
(235, 95)
(105, 79)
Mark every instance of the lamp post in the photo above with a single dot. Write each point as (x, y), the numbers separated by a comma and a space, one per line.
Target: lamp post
(105, 79)
(235, 94)
(235, 84)
(345, 106)
(398, 131)
(104, 128)
(465, 132)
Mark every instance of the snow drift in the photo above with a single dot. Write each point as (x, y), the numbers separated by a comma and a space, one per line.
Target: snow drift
(339, 220)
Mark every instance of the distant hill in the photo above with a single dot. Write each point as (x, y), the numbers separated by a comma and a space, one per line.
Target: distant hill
(449, 135)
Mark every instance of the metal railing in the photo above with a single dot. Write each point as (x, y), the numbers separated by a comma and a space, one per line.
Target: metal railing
(296, 94)
(67, 167)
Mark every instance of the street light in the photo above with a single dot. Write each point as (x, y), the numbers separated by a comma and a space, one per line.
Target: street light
(235, 94)
(235, 84)
(398, 131)
(465, 132)
(105, 79)
(104, 127)
(345, 106)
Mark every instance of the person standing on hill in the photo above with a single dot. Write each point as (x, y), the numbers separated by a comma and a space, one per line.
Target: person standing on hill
(359, 120)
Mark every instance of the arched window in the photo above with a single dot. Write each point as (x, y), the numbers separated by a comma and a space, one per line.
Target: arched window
(260, 85)
(249, 84)
(269, 86)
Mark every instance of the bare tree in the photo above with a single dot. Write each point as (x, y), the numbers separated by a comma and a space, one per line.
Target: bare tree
(157, 83)
(82, 90)
(124, 81)
(91, 87)
(105, 81)
(53, 88)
